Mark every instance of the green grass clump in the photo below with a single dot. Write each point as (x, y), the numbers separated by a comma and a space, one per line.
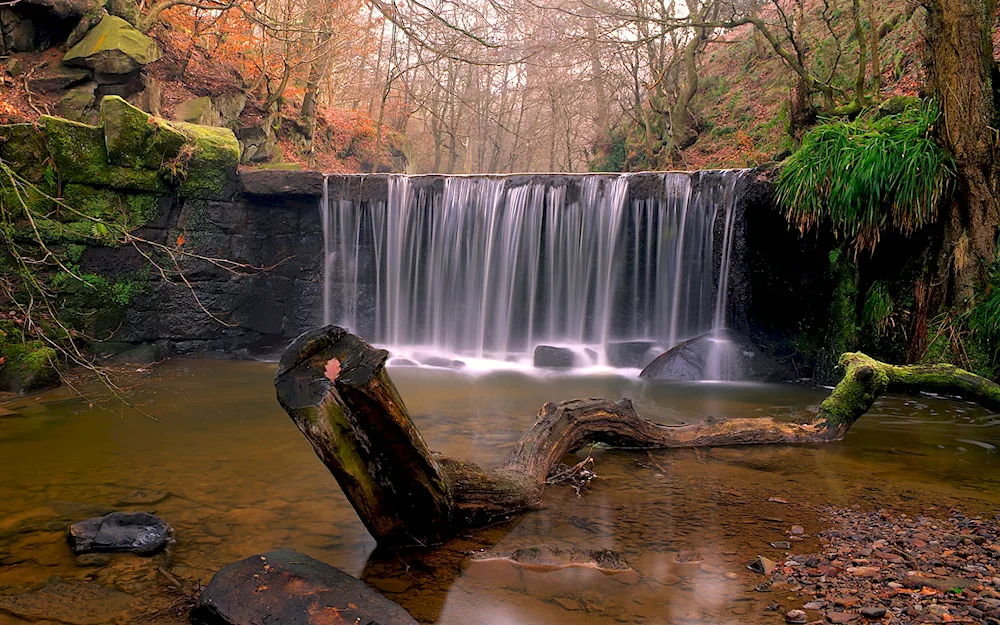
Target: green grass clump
(868, 175)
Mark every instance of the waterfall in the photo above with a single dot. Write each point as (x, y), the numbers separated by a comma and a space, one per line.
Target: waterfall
(490, 267)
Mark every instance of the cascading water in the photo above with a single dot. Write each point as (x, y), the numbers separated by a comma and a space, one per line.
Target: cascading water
(489, 267)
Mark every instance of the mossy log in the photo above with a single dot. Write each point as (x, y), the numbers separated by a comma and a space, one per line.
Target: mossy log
(336, 390)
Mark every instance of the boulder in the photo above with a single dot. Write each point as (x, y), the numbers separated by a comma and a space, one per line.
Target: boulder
(58, 78)
(257, 145)
(229, 107)
(289, 588)
(197, 111)
(549, 357)
(138, 532)
(68, 8)
(113, 47)
(634, 354)
(279, 183)
(718, 355)
(210, 172)
(134, 138)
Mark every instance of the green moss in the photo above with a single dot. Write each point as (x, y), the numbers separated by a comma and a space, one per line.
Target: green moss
(210, 163)
(80, 155)
(23, 148)
(129, 210)
(28, 366)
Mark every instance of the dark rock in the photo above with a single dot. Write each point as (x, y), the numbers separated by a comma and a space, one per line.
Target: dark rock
(139, 532)
(635, 354)
(874, 614)
(719, 355)
(58, 79)
(272, 182)
(289, 588)
(76, 603)
(17, 34)
(549, 357)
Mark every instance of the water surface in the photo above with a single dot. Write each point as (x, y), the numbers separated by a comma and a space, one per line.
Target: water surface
(241, 480)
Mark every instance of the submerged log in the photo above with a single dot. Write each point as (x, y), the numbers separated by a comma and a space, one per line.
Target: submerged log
(336, 389)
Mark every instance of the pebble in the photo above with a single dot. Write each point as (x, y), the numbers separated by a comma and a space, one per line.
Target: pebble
(873, 614)
(796, 616)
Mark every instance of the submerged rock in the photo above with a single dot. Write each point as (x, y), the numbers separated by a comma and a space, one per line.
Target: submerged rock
(289, 588)
(139, 532)
(718, 355)
(549, 557)
(76, 603)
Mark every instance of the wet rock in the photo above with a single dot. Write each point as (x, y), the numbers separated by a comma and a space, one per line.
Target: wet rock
(796, 616)
(439, 361)
(549, 357)
(144, 497)
(393, 585)
(635, 354)
(719, 355)
(840, 617)
(75, 603)
(289, 588)
(139, 532)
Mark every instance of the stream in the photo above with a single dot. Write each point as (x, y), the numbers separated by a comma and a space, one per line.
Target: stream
(228, 470)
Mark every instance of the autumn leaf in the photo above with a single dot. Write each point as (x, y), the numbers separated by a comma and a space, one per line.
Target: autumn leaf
(180, 239)
(3, 359)
(332, 369)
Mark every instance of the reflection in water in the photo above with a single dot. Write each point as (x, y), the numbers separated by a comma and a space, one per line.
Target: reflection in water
(242, 480)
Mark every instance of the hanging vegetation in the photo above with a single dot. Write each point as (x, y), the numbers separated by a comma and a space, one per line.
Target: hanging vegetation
(866, 176)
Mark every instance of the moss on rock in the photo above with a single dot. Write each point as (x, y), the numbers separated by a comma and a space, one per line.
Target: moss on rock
(81, 155)
(210, 162)
(136, 139)
(28, 366)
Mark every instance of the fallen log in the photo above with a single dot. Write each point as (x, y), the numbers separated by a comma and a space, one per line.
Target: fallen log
(335, 388)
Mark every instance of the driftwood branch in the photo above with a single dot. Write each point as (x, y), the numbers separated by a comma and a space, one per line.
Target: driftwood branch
(336, 389)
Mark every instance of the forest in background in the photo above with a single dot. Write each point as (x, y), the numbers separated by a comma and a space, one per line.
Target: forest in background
(484, 87)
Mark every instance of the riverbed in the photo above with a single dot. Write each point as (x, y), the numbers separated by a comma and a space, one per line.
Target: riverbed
(225, 466)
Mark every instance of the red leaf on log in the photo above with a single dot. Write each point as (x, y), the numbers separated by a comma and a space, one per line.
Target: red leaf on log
(332, 369)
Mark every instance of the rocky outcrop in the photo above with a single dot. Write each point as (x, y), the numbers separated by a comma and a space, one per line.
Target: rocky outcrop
(289, 588)
(719, 355)
(139, 532)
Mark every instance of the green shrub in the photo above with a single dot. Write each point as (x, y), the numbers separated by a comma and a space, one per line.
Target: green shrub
(865, 176)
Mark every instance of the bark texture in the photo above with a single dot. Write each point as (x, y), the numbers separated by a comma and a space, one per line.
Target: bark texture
(336, 389)
(961, 71)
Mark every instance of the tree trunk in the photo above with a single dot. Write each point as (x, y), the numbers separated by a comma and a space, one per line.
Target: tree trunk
(960, 70)
(336, 390)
